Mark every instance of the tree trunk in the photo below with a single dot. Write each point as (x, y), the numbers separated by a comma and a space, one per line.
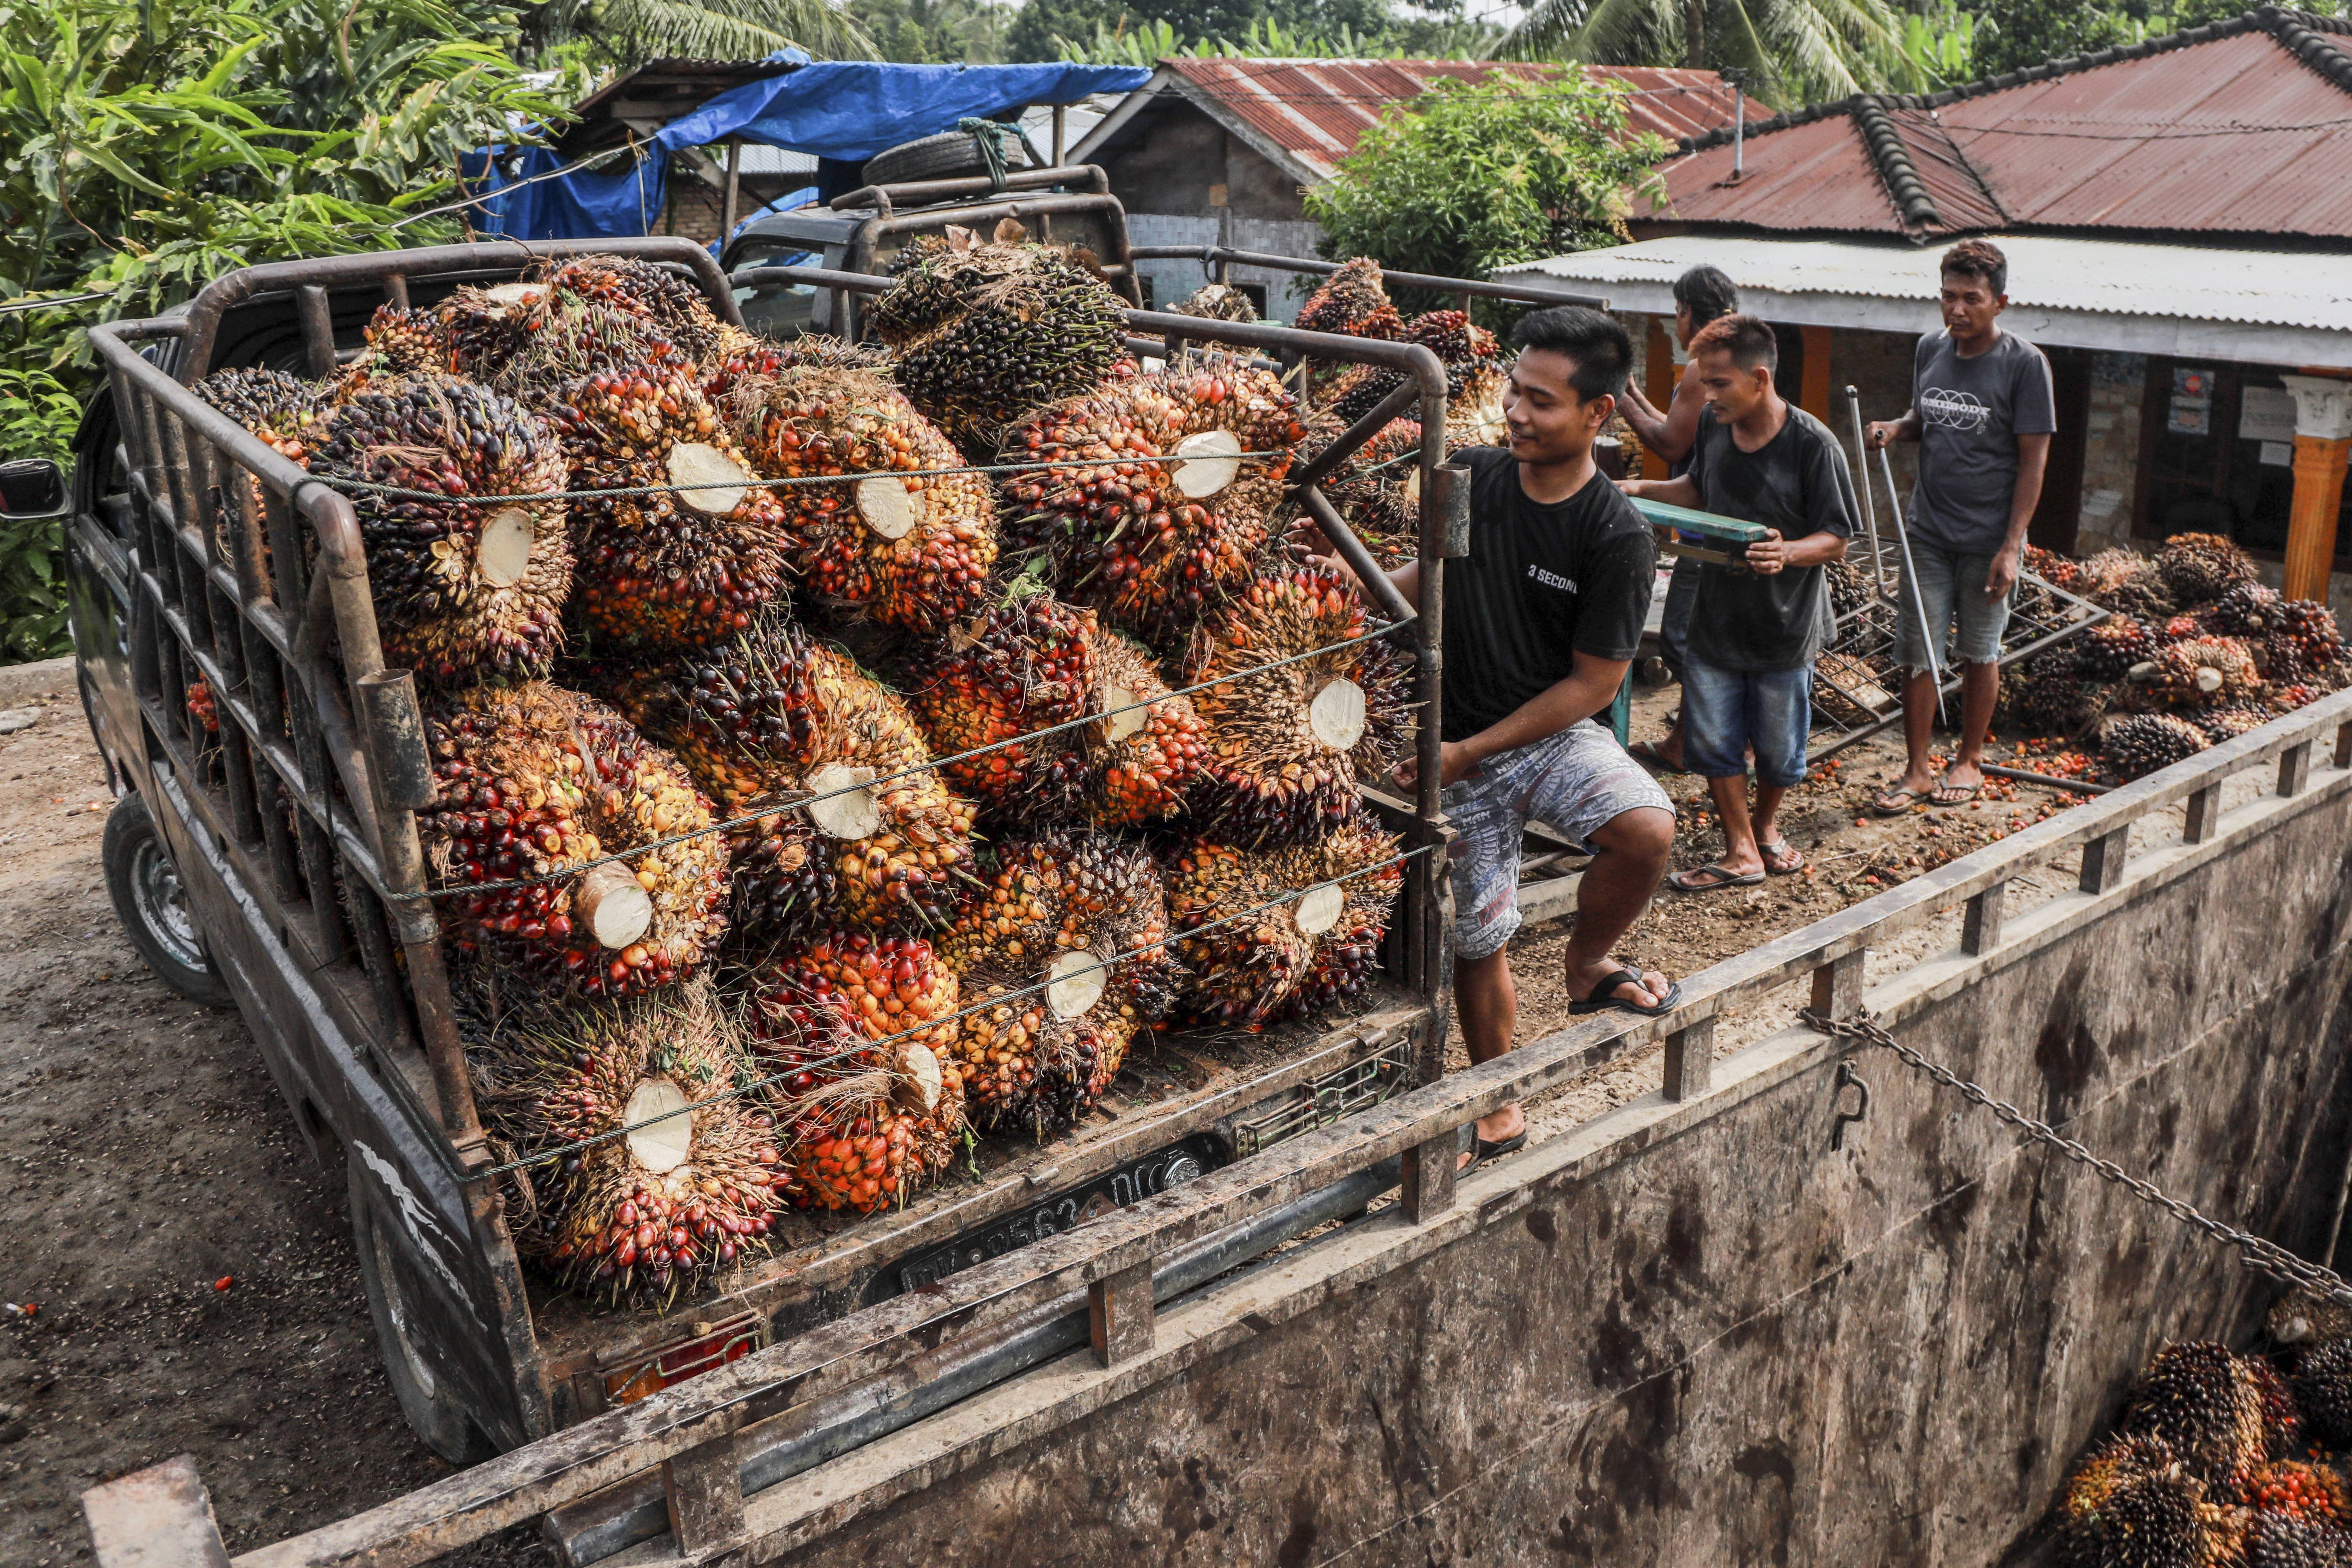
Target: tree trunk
(1694, 33)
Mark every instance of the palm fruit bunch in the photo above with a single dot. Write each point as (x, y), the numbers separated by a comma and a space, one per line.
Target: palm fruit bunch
(2247, 609)
(1851, 588)
(1217, 302)
(676, 568)
(1296, 955)
(860, 1032)
(2199, 568)
(2127, 583)
(911, 552)
(983, 333)
(538, 782)
(281, 409)
(2304, 1317)
(642, 289)
(2132, 1504)
(1149, 745)
(1028, 664)
(2301, 1491)
(2275, 1540)
(734, 356)
(1064, 956)
(462, 586)
(2304, 642)
(2221, 724)
(1474, 373)
(2049, 695)
(691, 1183)
(2137, 744)
(2206, 1405)
(2323, 1391)
(2200, 672)
(852, 826)
(1288, 745)
(2058, 571)
(2109, 650)
(1376, 491)
(401, 340)
(1352, 301)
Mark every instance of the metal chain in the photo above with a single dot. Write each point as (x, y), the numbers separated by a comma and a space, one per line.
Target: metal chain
(2265, 1256)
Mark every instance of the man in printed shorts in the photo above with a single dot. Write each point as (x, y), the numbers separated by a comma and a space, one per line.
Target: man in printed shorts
(1541, 620)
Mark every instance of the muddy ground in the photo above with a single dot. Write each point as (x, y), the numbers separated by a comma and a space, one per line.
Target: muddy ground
(187, 1266)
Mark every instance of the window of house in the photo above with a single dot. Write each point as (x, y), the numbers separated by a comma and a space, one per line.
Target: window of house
(2216, 455)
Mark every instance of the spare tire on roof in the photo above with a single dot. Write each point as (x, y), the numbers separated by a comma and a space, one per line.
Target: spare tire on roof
(949, 155)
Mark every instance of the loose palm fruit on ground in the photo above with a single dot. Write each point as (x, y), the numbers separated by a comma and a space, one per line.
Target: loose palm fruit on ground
(984, 332)
(769, 721)
(902, 543)
(1083, 916)
(1026, 665)
(1297, 955)
(691, 1185)
(2199, 568)
(860, 1031)
(1150, 747)
(1289, 745)
(538, 782)
(462, 585)
(2207, 1406)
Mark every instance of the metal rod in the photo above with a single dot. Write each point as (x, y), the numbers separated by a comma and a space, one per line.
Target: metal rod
(1353, 439)
(734, 190)
(2072, 787)
(1869, 508)
(1911, 576)
(1483, 288)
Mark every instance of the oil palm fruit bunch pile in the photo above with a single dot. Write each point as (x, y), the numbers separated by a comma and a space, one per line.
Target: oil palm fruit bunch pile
(401, 340)
(1296, 954)
(642, 289)
(2275, 1540)
(536, 781)
(854, 827)
(2199, 672)
(1066, 950)
(281, 409)
(2135, 745)
(1027, 665)
(695, 1175)
(1377, 492)
(983, 332)
(2127, 583)
(2304, 645)
(1354, 301)
(2206, 1404)
(2050, 695)
(1474, 373)
(1289, 745)
(2133, 1504)
(2110, 648)
(462, 585)
(2323, 1391)
(1146, 748)
(2293, 1488)
(859, 1032)
(1217, 302)
(911, 552)
(2199, 568)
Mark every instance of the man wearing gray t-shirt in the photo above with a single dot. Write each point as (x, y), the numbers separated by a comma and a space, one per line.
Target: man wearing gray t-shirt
(1982, 412)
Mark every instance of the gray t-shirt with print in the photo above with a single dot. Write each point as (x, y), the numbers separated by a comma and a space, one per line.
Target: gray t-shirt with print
(1972, 412)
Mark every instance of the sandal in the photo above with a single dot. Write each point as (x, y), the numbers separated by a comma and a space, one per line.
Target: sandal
(1955, 794)
(1791, 859)
(1896, 801)
(1647, 752)
(1602, 997)
(1724, 877)
(1481, 1150)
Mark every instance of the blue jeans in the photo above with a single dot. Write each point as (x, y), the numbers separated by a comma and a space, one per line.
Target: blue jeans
(1674, 623)
(1951, 585)
(1725, 712)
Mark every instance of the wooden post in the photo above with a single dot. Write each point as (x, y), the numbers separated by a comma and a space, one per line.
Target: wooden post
(1690, 1060)
(2103, 861)
(2204, 815)
(734, 192)
(1980, 926)
(1118, 1314)
(1429, 1174)
(1661, 384)
(704, 1490)
(1061, 112)
(1813, 395)
(156, 1517)
(2294, 768)
(1837, 985)
(2323, 442)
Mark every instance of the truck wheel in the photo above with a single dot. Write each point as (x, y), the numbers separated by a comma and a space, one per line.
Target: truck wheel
(430, 1406)
(148, 900)
(949, 155)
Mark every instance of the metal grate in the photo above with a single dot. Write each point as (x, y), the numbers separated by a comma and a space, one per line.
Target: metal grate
(1321, 1101)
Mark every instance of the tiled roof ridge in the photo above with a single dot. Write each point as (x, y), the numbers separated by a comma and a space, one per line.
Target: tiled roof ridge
(2302, 33)
(1893, 161)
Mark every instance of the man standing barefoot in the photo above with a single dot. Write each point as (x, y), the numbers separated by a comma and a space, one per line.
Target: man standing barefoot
(1982, 411)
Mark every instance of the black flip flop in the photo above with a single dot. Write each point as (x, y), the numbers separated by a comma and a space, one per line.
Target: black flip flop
(1601, 1000)
(1481, 1150)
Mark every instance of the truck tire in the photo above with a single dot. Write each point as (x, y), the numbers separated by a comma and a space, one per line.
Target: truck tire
(144, 884)
(949, 155)
(431, 1407)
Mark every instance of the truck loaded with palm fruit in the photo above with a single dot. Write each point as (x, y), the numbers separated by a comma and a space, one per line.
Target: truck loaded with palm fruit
(712, 833)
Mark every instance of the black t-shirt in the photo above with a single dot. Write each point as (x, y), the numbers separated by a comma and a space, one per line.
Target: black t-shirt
(1797, 483)
(1541, 584)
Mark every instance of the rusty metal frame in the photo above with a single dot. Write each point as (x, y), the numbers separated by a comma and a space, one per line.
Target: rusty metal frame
(1217, 260)
(689, 1434)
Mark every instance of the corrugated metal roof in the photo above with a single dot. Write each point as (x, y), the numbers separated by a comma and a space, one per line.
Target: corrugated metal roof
(653, 94)
(2240, 128)
(1313, 111)
(2103, 276)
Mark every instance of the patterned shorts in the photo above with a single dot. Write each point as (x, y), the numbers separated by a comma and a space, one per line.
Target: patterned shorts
(1575, 782)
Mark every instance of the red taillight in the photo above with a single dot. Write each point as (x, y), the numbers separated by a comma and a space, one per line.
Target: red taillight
(711, 1347)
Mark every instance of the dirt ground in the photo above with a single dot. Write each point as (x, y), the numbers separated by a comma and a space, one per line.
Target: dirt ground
(186, 1267)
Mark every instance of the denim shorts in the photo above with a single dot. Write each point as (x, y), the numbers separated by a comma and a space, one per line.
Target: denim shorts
(1576, 783)
(1725, 712)
(1673, 621)
(1952, 585)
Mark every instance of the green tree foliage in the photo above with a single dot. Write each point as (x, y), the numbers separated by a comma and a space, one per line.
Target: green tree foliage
(1468, 177)
(1142, 43)
(630, 31)
(2012, 33)
(37, 416)
(1794, 51)
(1136, 32)
(932, 32)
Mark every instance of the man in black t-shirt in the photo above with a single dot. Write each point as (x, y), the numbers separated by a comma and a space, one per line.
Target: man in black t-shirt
(1758, 625)
(1541, 619)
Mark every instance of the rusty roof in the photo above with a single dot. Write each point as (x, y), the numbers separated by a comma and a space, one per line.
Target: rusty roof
(1306, 115)
(2242, 127)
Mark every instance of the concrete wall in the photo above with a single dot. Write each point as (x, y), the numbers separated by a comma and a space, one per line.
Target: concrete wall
(1172, 280)
(2111, 457)
(1695, 1334)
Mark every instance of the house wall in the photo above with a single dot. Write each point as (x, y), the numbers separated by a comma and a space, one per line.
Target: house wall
(1177, 166)
(2111, 461)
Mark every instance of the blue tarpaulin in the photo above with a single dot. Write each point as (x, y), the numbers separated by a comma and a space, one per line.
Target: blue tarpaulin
(841, 110)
